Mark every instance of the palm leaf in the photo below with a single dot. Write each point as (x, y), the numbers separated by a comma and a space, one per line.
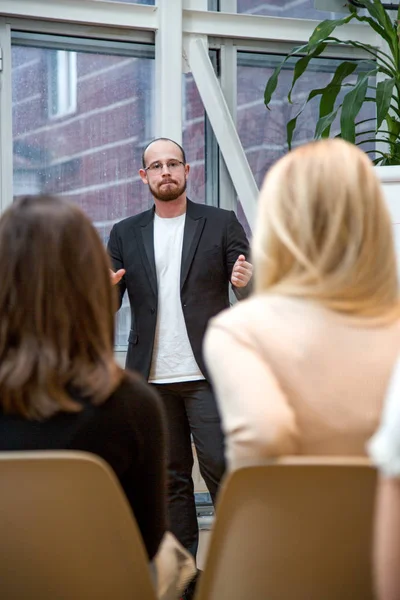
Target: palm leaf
(325, 28)
(328, 96)
(302, 65)
(389, 69)
(273, 80)
(393, 126)
(325, 123)
(387, 91)
(380, 22)
(322, 30)
(352, 103)
(331, 92)
(384, 92)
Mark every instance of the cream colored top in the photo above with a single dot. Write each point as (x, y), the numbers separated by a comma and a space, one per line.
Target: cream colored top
(292, 377)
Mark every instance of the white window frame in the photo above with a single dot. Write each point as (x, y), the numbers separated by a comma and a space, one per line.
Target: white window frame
(176, 25)
(183, 31)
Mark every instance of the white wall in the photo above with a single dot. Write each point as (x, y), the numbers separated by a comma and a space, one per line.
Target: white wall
(390, 178)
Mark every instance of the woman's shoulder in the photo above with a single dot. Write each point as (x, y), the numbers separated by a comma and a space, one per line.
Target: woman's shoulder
(241, 310)
(258, 310)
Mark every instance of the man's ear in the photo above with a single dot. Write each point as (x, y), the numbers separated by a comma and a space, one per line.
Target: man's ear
(187, 169)
(143, 176)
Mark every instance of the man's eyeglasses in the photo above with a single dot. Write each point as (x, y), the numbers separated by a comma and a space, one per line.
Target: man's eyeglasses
(157, 167)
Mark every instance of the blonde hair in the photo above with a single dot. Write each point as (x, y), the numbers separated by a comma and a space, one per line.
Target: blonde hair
(56, 310)
(324, 233)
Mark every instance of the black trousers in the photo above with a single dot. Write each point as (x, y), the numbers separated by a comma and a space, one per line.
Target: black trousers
(190, 408)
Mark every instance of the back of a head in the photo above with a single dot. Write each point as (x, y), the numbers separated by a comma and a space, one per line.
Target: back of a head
(56, 308)
(323, 231)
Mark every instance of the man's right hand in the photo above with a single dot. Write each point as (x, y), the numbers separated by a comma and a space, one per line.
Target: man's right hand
(117, 276)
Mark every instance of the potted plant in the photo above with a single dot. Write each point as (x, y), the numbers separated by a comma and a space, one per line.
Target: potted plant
(378, 82)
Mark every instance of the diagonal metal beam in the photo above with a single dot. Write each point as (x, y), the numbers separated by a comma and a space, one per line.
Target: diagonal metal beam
(223, 126)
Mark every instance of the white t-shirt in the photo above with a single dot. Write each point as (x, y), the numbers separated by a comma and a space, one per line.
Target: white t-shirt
(173, 359)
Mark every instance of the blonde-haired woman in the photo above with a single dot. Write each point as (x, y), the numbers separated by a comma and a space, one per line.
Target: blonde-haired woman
(302, 366)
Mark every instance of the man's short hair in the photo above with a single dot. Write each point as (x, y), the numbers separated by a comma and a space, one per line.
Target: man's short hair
(165, 139)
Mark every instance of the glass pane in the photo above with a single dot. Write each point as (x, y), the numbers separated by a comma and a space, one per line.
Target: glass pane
(80, 120)
(263, 132)
(302, 9)
(194, 139)
(199, 144)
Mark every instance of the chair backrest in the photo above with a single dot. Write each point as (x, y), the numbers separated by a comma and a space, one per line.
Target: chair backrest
(67, 531)
(296, 528)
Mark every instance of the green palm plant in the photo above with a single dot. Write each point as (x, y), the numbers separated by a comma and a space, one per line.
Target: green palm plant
(377, 82)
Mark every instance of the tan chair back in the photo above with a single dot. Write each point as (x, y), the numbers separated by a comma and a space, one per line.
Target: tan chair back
(294, 529)
(67, 531)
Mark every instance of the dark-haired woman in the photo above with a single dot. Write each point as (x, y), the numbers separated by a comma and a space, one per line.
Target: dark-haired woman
(60, 386)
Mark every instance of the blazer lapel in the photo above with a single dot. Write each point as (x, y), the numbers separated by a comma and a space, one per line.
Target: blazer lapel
(194, 224)
(146, 248)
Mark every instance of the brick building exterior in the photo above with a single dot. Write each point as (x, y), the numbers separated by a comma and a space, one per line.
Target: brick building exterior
(91, 151)
(81, 120)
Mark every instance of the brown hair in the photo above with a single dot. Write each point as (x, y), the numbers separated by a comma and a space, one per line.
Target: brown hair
(324, 232)
(57, 309)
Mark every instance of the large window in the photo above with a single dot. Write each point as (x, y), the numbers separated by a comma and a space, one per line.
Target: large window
(79, 132)
(84, 97)
(81, 118)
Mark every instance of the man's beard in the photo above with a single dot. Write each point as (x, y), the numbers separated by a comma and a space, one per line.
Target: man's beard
(167, 195)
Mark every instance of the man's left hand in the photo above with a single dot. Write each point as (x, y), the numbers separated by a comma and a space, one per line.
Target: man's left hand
(241, 272)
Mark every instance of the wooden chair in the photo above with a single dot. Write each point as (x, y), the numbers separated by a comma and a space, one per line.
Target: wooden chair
(294, 529)
(67, 531)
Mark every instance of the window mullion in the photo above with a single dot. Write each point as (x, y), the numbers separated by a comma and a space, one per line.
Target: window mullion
(6, 143)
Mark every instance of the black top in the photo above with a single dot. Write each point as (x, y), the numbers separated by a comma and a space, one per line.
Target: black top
(127, 431)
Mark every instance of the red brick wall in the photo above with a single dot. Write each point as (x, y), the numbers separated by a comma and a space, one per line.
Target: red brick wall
(93, 155)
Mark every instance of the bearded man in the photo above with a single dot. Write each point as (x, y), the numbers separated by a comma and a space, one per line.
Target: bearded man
(176, 262)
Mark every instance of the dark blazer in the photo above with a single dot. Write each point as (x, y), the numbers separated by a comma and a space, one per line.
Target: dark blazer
(212, 241)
